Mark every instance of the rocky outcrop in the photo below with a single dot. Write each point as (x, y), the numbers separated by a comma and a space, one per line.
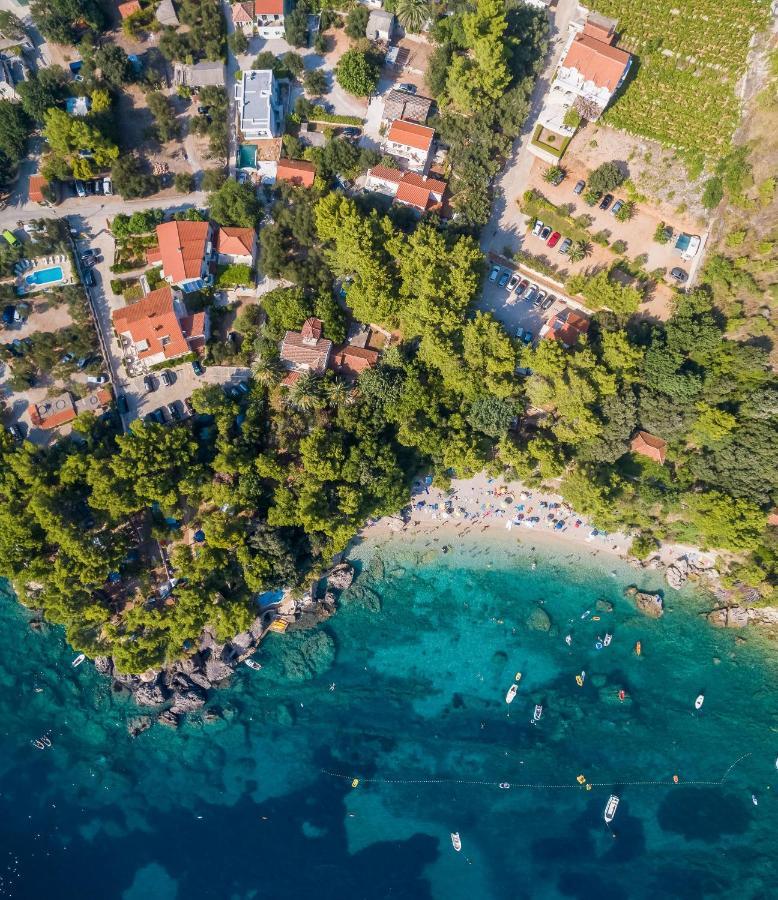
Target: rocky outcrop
(340, 577)
(741, 616)
(216, 671)
(168, 718)
(104, 665)
(539, 620)
(677, 574)
(649, 604)
(138, 725)
(149, 695)
(188, 702)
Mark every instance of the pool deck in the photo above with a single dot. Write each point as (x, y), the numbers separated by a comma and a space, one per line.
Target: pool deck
(60, 260)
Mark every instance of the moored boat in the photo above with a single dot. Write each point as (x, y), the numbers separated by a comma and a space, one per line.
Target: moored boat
(638, 648)
(511, 693)
(253, 664)
(538, 713)
(610, 808)
(456, 842)
(699, 701)
(78, 660)
(607, 640)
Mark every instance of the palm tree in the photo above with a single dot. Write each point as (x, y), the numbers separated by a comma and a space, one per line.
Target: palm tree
(580, 250)
(554, 174)
(338, 392)
(413, 14)
(306, 392)
(267, 368)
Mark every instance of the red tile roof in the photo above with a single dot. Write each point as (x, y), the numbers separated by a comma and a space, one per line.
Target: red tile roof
(242, 12)
(649, 445)
(269, 7)
(599, 32)
(566, 326)
(385, 173)
(52, 413)
(232, 241)
(351, 361)
(298, 171)
(306, 348)
(35, 189)
(182, 245)
(291, 379)
(429, 184)
(153, 255)
(597, 61)
(127, 9)
(153, 320)
(411, 135)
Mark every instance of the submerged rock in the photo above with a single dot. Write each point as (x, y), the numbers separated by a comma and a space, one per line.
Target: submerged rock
(306, 654)
(362, 595)
(138, 725)
(603, 605)
(168, 718)
(539, 620)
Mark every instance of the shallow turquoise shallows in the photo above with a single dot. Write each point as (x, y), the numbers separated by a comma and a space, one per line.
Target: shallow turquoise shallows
(45, 276)
(419, 659)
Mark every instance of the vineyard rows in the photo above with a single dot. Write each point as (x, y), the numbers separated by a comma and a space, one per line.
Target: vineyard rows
(685, 100)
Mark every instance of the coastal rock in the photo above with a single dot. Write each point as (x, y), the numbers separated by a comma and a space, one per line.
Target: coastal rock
(211, 716)
(678, 573)
(740, 616)
(718, 617)
(649, 604)
(104, 665)
(539, 620)
(149, 695)
(168, 718)
(138, 725)
(216, 671)
(128, 681)
(256, 628)
(340, 577)
(200, 679)
(208, 642)
(603, 605)
(188, 702)
(149, 676)
(242, 642)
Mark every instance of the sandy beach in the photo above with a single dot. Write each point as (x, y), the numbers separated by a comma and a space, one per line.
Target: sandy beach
(509, 510)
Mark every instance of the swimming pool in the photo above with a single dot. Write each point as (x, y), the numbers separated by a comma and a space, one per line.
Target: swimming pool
(247, 156)
(45, 276)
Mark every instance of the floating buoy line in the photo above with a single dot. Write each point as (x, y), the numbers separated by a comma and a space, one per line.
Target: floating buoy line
(580, 781)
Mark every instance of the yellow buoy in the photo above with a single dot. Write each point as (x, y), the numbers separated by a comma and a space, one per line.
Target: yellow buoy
(518, 676)
(354, 782)
(581, 779)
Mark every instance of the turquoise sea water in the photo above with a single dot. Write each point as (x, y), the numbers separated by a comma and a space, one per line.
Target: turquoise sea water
(242, 808)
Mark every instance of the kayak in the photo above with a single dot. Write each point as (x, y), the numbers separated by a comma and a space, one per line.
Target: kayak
(638, 648)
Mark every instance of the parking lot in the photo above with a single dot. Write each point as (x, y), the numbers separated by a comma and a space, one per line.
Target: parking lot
(521, 311)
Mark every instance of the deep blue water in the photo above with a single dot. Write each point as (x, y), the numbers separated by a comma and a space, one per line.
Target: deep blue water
(242, 808)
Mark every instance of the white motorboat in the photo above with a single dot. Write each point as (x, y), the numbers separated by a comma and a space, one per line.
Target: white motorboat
(78, 660)
(610, 808)
(538, 713)
(511, 693)
(569, 640)
(699, 701)
(253, 664)
(456, 843)
(754, 800)
(607, 640)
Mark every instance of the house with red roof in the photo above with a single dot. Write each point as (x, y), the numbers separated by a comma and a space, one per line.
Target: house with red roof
(184, 251)
(649, 445)
(297, 171)
(236, 245)
(243, 16)
(407, 188)
(349, 361)
(306, 349)
(566, 326)
(58, 411)
(411, 143)
(269, 16)
(159, 328)
(128, 9)
(35, 188)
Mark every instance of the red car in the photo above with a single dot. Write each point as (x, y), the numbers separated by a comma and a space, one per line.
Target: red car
(554, 239)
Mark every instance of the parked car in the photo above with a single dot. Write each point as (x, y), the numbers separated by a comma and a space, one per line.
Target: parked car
(97, 379)
(519, 333)
(504, 278)
(565, 246)
(554, 239)
(85, 254)
(579, 187)
(68, 357)
(150, 384)
(679, 274)
(232, 391)
(10, 315)
(89, 278)
(527, 337)
(407, 87)
(175, 412)
(197, 367)
(546, 233)
(514, 280)
(494, 273)
(538, 301)
(243, 387)
(531, 293)
(85, 361)
(203, 110)
(167, 377)
(522, 287)
(606, 201)
(537, 227)
(88, 262)
(617, 206)
(548, 302)
(15, 431)
(107, 186)
(350, 131)
(122, 405)
(80, 189)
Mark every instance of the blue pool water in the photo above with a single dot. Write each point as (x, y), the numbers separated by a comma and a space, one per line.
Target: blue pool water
(45, 276)
(421, 654)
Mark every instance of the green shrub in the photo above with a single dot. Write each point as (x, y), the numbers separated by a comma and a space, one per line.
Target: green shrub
(234, 275)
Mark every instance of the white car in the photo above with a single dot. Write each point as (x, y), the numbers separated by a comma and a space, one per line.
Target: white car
(538, 227)
(513, 282)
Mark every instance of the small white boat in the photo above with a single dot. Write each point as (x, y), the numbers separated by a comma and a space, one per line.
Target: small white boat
(253, 664)
(569, 640)
(511, 693)
(78, 660)
(607, 640)
(579, 679)
(39, 744)
(538, 713)
(585, 614)
(699, 701)
(46, 740)
(754, 800)
(456, 843)
(610, 808)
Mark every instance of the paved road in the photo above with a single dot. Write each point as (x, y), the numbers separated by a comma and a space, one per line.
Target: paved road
(507, 224)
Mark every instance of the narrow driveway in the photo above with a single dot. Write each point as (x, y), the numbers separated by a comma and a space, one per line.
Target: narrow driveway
(507, 224)
(232, 117)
